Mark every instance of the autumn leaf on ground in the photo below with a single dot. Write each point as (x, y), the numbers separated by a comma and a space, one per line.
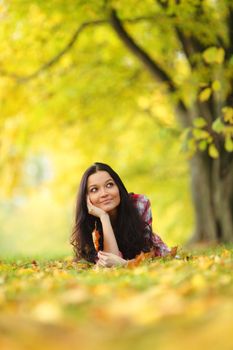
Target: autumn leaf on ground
(173, 251)
(139, 258)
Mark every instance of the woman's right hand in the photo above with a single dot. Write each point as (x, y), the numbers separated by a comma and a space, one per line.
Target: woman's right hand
(95, 211)
(109, 260)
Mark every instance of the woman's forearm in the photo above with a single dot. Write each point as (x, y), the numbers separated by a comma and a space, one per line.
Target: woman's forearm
(110, 243)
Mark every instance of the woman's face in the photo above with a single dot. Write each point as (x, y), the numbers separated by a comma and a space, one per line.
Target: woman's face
(103, 192)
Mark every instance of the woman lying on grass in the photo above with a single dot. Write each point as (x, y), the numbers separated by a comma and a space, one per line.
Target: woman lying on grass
(112, 226)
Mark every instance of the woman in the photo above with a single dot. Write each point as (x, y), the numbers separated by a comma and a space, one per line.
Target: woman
(123, 220)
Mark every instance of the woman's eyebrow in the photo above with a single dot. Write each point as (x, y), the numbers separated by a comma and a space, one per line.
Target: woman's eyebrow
(110, 179)
(93, 185)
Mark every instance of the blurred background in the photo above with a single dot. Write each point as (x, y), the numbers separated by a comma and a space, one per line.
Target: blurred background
(146, 87)
(71, 93)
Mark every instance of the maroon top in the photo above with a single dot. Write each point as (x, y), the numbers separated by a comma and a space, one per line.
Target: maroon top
(143, 205)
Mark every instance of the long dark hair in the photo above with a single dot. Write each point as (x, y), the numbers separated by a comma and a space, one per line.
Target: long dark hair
(128, 228)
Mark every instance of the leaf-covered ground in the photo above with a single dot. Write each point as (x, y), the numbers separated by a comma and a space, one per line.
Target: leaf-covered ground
(184, 303)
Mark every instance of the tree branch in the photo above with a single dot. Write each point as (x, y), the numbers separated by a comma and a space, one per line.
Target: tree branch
(186, 45)
(56, 58)
(68, 46)
(154, 69)
(157, 72)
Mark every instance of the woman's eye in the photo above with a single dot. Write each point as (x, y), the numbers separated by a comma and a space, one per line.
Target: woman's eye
(93, 189)
(110, 184)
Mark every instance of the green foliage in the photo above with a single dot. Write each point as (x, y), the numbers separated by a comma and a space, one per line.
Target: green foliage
(213, 151)
(214, 55)
(76, 94)
(228, 143)
(218, 125)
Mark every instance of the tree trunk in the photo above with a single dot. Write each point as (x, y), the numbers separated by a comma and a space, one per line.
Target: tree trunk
(212, 191)
(211, 179)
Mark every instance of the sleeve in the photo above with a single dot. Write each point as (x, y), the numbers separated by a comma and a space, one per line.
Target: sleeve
(143, 205)
(160, 248)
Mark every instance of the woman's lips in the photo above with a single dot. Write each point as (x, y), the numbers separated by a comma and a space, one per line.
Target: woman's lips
(106, 201)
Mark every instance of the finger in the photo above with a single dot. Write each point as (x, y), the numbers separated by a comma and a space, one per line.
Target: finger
(103, 259)
(101, 252)
(88, 200)
(90, 210)
(106, 254)
(103, 255)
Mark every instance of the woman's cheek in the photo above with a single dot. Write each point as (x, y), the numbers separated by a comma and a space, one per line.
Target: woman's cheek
(93, 198)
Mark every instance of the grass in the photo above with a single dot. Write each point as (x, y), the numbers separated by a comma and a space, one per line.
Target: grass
(165, 303)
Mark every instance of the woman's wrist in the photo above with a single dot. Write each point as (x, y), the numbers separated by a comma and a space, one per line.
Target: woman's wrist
(104, 216)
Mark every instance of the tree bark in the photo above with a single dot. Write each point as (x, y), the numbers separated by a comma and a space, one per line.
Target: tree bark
(212, 192)
(211, 179)
(205, 227)
(223, 196)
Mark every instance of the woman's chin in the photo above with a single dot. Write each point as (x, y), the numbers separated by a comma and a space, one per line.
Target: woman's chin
(108, 208)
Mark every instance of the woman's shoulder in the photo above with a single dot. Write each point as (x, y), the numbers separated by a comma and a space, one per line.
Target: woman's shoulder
(140, 198)
(141, 201)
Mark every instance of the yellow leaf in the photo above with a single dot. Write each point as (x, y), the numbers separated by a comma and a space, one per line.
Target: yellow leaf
(216, 85)
(228, 143)
(76, 295)
(218, 126)
(228, 114)
(144, 102)
(198, 282)
(209, 54)
(220, 55)
(200, 134)
(205, 94)
(213, 152)
(46, 311)
(214, 55)
(205, 262)
(202, 145)
(199, 122)
(139, 258)
(225, 253)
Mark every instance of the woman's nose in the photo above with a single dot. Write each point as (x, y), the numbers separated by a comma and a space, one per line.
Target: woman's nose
(103, 192)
